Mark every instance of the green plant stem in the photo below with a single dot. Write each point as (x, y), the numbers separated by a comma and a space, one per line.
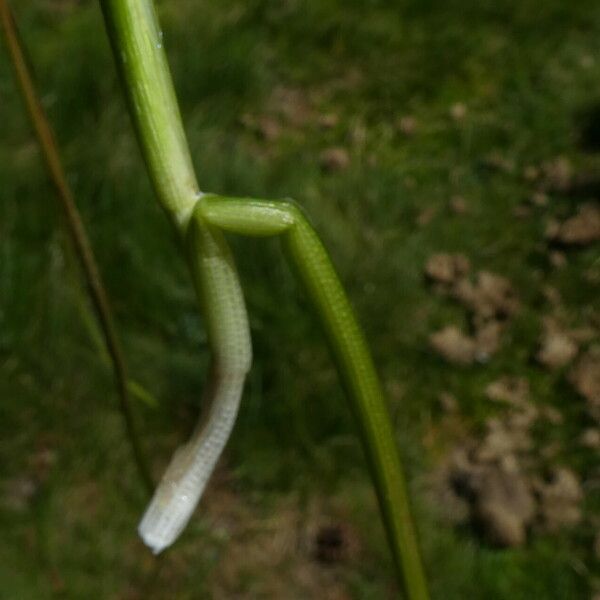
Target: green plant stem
(138, 49)
(76, 229)
(311, 261)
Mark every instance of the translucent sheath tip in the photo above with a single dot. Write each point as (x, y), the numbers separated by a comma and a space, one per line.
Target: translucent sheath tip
(172, 505)
(183, 483)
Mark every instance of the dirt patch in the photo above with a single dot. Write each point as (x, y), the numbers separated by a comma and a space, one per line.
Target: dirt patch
(458, 348)
(504, 505)
(490, 300)
(557, 346)
(590, 438)
(494, 496)
(497, 482)
(447, 269)
(296, 550)
(453, 345)
(510, 390)
(556, 175)
(585, 378)
(579, 230)
(334, 159)
(490, 296)
(559, 499)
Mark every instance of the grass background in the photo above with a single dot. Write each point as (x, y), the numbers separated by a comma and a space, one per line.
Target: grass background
(526, 73)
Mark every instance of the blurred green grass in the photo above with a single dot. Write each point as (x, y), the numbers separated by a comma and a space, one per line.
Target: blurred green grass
(524, 71)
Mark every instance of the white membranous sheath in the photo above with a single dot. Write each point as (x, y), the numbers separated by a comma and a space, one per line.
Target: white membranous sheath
(184, 481)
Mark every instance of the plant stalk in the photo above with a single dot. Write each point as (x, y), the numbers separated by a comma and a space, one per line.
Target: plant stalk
(137, 44)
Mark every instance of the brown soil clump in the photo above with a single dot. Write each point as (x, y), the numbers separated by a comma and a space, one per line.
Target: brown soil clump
(585, 378)
(453, 345)
(579, 230)
(557, 346)
(447, 268)
(490, 300)
(493, 482)
(559, 500)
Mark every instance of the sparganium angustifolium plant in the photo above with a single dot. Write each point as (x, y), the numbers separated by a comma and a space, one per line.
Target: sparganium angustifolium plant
(200, 220)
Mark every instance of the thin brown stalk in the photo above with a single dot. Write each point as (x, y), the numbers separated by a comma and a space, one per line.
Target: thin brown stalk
(76, 230)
